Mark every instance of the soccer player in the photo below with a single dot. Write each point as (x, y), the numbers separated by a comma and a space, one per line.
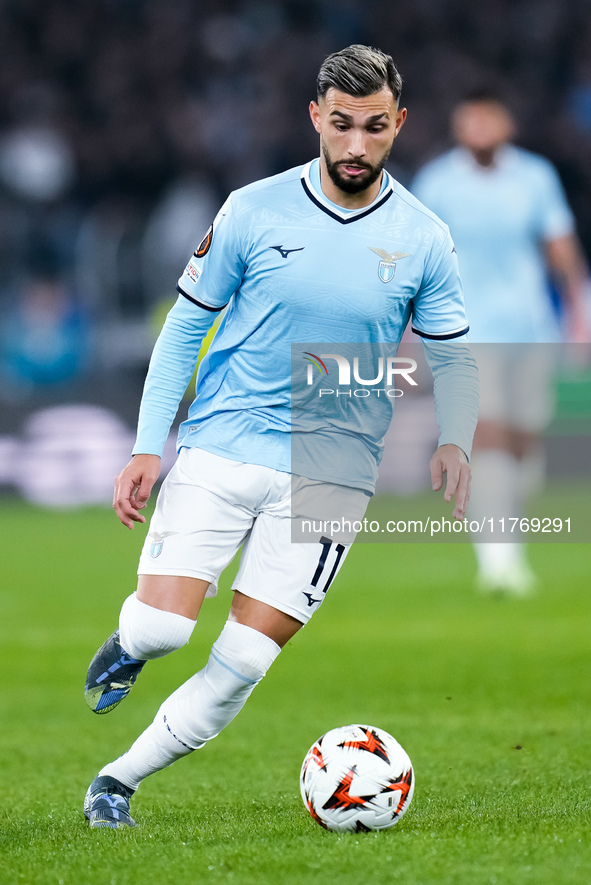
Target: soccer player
(511, 224)
(295, 258)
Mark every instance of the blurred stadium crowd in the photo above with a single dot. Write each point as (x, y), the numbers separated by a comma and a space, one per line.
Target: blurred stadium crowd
(124, 124)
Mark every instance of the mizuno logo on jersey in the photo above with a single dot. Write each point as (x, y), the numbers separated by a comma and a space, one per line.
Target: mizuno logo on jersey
(387, 266)
(285, 252)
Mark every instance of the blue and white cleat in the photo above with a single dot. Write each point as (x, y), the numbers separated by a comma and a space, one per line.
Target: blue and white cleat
(106, 804)
(111, 676)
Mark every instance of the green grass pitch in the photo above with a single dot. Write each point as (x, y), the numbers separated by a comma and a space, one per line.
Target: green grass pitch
(490, 698)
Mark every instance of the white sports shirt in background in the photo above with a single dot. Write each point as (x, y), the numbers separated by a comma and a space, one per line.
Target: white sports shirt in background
(499, 218)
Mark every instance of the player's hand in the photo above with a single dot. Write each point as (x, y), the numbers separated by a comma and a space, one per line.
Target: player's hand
(133, 486)
(451, 460)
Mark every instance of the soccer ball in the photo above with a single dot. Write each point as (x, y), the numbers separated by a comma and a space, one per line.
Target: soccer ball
(356, 778)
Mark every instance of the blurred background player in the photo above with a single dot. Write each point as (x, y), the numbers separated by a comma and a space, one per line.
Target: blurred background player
(514, 233)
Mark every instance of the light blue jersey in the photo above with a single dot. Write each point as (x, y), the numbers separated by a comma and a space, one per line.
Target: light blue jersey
(499, 218)
(291, 267)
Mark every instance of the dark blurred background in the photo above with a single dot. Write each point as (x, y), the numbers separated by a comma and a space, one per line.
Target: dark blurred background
(124, 124)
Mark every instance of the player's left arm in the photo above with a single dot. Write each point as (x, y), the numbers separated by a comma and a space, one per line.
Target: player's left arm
(565, 260)
(455, 385)
(557, 233)
(439, 318)
(451, 461)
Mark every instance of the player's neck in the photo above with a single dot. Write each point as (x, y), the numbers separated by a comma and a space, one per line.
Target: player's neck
(344, 199)
(486, 159)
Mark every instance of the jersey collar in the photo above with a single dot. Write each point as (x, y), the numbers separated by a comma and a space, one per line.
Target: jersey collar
(345, 216)
(503, 159)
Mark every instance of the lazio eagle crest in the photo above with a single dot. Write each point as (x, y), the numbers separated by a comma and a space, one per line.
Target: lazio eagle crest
(158, 542)
(387, 266)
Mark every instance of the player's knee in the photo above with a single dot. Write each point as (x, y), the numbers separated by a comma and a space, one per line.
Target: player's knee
(146, 632)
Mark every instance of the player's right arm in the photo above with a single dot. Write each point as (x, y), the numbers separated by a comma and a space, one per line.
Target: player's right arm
(171, 367)
(211, 277)
(133, 486)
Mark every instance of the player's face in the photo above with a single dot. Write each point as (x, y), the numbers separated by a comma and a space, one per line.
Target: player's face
(482, 127)
(356, 135)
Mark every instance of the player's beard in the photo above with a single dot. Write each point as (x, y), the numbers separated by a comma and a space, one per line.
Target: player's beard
(358, 184)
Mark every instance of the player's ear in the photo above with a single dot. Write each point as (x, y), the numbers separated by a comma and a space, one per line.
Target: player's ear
(315, 115)
(400, 118)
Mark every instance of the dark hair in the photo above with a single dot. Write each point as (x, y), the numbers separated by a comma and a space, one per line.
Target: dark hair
(483, 95)
(359, 70)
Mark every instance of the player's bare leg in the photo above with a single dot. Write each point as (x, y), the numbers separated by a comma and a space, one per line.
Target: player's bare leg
(492, 435)
(275, 624)
(173, 593)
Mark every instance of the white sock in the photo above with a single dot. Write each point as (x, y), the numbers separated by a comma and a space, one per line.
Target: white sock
(496, 494)
(146, 632)
(198, 710)
(155, 749)
(495, 486)
(532, 473)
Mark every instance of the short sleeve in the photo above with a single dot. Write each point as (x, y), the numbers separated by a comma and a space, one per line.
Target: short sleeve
(216, 268)
(554, 214)
(438, 307)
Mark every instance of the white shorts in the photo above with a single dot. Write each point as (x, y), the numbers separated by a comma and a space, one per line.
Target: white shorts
(209, 506)
(516, 384)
